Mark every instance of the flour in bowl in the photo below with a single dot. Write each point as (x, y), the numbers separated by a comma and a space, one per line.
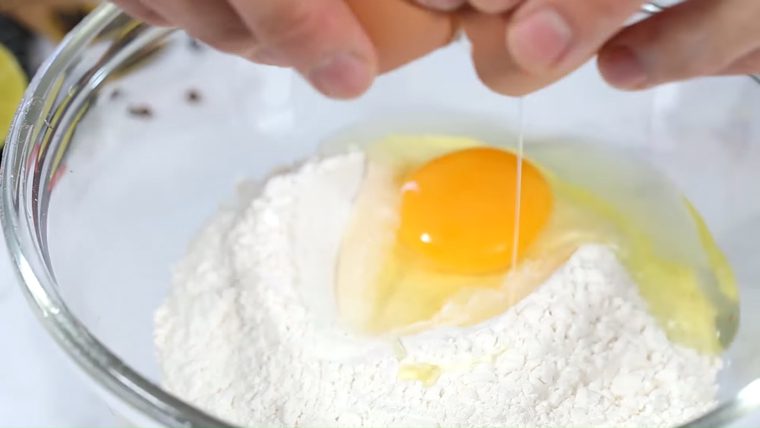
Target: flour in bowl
(250, 333)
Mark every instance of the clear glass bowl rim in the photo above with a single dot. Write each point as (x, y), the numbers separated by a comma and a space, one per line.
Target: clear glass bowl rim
(110, 374)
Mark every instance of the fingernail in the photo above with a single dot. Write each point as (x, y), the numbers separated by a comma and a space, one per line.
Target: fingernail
(538, 41)
(345, 75)
(440, 4)
(621, 67)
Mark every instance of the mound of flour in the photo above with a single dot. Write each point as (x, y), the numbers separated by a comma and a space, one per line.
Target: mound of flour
(248, 334)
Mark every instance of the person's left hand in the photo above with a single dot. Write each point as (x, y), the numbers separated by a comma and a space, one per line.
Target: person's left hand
(520, 46)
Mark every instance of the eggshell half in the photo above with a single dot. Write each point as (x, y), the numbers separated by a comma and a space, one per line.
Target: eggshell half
(402, 31)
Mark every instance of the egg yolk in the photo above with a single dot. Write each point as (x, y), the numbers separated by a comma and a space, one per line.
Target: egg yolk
(458, 211)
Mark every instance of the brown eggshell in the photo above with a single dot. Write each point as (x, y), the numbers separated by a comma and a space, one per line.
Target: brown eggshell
(402, 31)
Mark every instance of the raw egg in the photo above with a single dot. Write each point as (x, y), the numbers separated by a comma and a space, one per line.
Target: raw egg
(439, 237)
(458, 211)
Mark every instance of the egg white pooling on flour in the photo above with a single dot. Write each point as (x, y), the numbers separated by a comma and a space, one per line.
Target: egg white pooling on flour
(250, 333)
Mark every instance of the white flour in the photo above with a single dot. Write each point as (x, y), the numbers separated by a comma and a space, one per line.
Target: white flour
(248, 334)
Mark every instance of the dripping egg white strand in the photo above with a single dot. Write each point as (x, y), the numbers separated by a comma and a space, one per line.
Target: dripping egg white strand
(518, 190)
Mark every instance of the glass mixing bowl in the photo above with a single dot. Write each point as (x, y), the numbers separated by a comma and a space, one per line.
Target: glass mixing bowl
(130, 137)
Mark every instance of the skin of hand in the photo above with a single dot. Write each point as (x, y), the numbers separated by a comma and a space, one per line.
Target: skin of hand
(520, 46)
(321, 39)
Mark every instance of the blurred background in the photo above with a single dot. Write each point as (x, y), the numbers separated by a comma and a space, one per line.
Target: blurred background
(29, 31)
(38, 386)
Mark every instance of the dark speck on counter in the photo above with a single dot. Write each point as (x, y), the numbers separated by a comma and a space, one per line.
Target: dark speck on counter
(193, 96)
(142, 111)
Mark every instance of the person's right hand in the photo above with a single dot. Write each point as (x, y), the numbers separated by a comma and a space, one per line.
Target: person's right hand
(520, 46)
(321, 39)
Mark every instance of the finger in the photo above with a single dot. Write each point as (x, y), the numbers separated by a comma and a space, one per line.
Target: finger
(495, 67)
(446, 5)
(212, 21)
(748, 64)
(696, 38)
(136, 9)
(320, 38)
(550, 38)
(494, 6)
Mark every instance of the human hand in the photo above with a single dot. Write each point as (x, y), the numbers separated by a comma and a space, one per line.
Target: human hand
(523, 45)
(321, 39)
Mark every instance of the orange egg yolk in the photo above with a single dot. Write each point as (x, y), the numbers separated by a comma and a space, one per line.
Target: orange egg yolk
(458, 211)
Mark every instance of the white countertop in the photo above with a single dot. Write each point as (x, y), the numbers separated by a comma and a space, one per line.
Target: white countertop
(39, 385)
